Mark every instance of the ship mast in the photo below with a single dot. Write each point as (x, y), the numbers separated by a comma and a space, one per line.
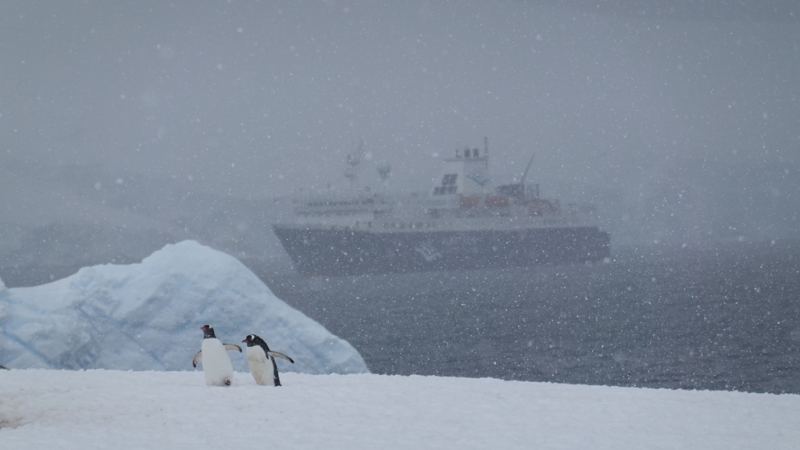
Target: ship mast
(353, 161)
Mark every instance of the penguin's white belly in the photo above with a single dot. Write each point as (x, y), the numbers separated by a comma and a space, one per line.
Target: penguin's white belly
(217, 365)
(260, 366)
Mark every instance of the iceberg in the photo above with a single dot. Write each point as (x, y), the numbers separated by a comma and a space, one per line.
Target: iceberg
(147, 316)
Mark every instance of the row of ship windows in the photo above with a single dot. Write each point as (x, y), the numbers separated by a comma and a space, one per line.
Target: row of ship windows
(399, 225)
(329, 213)
(412, 225)
(429, 225)
(366, 201)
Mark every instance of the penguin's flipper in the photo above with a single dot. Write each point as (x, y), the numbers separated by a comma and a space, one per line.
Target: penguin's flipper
(233, 348)
(280, 355)
(197, 358)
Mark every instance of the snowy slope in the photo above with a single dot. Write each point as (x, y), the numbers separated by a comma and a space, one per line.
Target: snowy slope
(148, 316)
(176, 410)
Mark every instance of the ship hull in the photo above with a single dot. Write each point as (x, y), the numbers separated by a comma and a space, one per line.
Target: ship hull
(326, 251)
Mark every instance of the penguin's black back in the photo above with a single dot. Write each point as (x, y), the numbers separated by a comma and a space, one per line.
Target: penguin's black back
(275, 378)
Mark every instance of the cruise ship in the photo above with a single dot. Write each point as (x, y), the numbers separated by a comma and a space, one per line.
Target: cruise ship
(463, 222)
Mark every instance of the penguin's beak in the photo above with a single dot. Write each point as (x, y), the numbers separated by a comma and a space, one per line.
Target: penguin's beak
(244, 340)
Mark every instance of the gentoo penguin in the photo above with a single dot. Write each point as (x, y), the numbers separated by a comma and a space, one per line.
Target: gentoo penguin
(258, 354)
(217, 365)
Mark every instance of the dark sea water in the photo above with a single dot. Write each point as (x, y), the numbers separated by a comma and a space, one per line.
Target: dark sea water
(723, 316)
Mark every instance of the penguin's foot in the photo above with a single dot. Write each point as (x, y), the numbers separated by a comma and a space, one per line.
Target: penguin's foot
(226, 381)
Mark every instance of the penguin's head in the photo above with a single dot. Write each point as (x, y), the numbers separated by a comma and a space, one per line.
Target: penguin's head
(208, 332)
(252, 340)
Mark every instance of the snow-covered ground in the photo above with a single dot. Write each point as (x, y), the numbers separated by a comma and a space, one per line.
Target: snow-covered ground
(176, 410)
(148, 316)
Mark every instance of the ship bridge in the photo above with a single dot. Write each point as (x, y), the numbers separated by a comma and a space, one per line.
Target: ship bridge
(467, 173)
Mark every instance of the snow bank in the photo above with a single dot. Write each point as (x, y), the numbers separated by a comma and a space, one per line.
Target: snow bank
(176, 410)
(148, 316)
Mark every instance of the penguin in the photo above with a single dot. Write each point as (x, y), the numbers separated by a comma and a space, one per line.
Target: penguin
(217, 366)
(258, 353)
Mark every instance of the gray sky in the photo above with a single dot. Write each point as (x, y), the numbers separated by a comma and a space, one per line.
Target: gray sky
(619, 101)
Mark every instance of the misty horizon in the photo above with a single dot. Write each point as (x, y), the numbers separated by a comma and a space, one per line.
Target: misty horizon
(677, 119)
